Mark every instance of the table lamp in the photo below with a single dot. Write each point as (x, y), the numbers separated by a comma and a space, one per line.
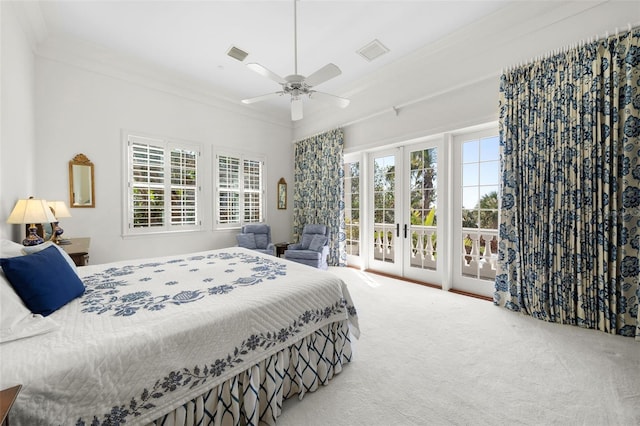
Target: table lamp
(31, 212)
(59, 209)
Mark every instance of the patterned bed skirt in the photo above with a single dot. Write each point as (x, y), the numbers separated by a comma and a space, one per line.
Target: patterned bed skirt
(255, 396)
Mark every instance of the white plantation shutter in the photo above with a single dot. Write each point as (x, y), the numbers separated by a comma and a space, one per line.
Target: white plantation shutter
(240, 190)
(252, 191)
(228, 189)
(162, 185)
(147, 186)
(183, 187)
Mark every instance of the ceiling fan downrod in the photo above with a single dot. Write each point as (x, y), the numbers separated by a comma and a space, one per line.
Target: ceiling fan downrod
(295, 37)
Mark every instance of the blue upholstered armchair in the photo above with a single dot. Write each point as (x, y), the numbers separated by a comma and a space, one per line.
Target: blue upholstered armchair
(256, 237)
(313, 248)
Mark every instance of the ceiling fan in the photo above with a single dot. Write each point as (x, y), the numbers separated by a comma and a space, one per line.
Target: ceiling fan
(298, 85)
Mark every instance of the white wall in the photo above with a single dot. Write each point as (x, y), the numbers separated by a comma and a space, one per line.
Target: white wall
(83, 111)
(17, 132)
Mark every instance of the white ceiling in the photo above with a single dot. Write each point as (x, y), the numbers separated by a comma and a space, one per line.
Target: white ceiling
(433, 44)
(191, 38)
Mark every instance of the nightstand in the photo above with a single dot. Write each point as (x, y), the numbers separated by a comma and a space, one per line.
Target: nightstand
(78, 250)
(7, 398)
(280, 248)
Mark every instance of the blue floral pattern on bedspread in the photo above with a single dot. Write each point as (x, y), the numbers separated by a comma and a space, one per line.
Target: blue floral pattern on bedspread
(106, 291)
(199, 375)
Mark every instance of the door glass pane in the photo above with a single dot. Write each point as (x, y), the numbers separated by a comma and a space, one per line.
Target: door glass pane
(384, 226)
(352, 207)
(423, 172)
(470, 197)
(480, 174)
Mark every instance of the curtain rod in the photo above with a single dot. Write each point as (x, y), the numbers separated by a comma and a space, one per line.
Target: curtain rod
(316, 134)
(596, 38)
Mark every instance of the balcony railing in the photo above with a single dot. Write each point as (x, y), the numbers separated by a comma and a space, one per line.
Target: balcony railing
(479, 256)
(423, 244)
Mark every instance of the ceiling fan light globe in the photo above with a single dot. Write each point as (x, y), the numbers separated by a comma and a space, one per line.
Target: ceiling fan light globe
(343, 103)
(296, 109)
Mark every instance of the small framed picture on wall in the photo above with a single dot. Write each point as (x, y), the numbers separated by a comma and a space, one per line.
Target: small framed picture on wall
(282, 194)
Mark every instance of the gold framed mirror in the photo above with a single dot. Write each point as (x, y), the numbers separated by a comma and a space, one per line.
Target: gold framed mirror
(282, 194)
(81, 182)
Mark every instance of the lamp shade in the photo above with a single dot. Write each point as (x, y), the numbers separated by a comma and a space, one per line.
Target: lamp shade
(31, 211)
(59, 209)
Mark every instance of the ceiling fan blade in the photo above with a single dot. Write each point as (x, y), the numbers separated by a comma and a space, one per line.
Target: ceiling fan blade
(266, 73)
(261, 98)
(341, 102)
(296, 109)
(325, 73)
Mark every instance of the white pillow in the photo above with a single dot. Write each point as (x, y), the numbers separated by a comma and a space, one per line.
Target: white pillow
(10, 249)
(40, 247)
(16, 320)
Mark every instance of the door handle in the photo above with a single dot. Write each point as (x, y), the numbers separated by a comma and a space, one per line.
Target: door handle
(398, 230)
(405, 230)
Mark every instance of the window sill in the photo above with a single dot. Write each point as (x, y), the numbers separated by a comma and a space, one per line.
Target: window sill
(160, 233)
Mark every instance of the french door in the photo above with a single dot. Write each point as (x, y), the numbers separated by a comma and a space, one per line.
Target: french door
(406, 216)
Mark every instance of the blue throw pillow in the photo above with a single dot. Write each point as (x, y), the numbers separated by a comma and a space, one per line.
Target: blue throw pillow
(40, 247)
(44, 281)
(317, 243)
(246, 240)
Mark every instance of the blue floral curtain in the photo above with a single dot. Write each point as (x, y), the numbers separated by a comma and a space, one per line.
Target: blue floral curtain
(570, 207)
(318, 189)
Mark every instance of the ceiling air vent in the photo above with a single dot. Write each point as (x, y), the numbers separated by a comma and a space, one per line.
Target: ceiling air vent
(373, 50)
(237, 53)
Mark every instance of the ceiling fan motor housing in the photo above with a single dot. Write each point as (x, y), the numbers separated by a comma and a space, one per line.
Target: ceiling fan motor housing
(295, 85)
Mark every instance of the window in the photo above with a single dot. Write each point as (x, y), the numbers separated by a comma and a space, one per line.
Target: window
(239, 190)
(162, 185)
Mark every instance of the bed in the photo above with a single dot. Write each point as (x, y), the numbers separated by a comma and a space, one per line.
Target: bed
(215, 337)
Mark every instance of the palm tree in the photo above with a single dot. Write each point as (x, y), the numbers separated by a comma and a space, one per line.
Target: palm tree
(423, 186)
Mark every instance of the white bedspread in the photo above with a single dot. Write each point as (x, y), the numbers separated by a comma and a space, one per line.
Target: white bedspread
(150, 335)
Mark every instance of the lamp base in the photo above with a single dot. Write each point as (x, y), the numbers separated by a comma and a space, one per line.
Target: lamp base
(33, 239)
(56, 232)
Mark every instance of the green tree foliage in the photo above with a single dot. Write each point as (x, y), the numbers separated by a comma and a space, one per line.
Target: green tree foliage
(485, 213)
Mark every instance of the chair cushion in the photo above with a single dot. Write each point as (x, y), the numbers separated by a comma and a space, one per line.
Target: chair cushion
(314, 228)
(261, 241)
(44, 280)
(318, 242)
(306, 240)
(247, 241)
(302, 254)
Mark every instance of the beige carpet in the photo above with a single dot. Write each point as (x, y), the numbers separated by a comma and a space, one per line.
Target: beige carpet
(429, 357)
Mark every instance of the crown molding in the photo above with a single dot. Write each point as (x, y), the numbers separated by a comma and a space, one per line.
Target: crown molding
(100, 60)
(30, 17)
